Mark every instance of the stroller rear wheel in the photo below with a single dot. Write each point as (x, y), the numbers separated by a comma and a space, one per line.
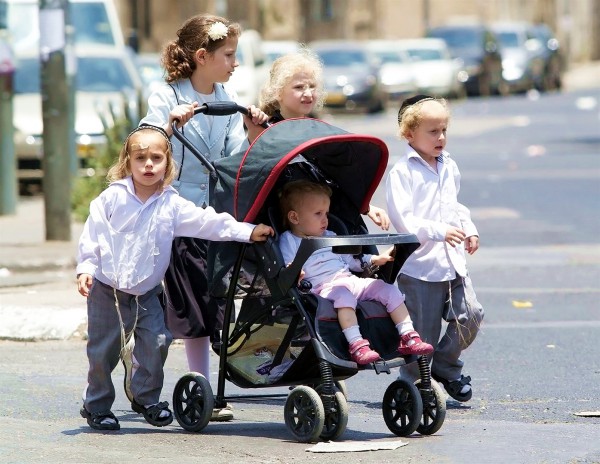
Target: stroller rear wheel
(336, 418)
(402, 408)
(193, 401)
(434, 408)
(304, 414)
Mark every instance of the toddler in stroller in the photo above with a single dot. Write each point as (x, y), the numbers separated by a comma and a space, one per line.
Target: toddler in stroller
(304, 208)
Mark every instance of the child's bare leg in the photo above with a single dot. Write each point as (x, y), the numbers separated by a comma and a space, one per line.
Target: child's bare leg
(359, 347)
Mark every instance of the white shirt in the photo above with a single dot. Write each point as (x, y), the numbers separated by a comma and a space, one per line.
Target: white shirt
(127, 244)
(423, 202)
(323, 265)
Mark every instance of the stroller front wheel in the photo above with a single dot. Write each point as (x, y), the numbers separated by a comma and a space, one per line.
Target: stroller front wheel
(304, 414)
(193, 402)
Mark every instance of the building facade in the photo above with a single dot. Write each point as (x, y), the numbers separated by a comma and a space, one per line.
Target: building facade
(154, 22)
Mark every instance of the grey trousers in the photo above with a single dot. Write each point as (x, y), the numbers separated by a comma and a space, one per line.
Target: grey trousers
(455, 302)
(152, 340)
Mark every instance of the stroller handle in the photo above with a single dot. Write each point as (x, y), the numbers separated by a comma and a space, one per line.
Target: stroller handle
(219, 108)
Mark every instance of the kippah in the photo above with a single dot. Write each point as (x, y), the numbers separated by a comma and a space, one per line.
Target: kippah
(411, 101)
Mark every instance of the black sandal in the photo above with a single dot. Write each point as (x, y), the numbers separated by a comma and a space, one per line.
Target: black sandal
(455, 387)
(94, 419)
(152, 414)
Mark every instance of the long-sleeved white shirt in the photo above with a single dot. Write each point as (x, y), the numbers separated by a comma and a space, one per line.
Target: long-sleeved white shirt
(423, 202)
(126, 243)
(323, 264)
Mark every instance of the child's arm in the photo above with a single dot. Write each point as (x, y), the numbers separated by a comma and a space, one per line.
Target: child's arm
(182, 113)
(385, 257)
(253, 122)
(261, 232)
(84, 282)
(379, 216)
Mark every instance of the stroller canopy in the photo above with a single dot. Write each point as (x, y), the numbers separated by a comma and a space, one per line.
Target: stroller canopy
(355, 163)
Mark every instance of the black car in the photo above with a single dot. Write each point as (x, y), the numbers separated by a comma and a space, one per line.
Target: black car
(478, 49)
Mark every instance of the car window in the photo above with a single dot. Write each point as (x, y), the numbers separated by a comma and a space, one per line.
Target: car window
(102, 75)
(423, 54)
(508, 39)
(342, 58)
(91, 24)
(89, 19)
(458, 38)
(27, 76)
(94, 74)
(389, 57)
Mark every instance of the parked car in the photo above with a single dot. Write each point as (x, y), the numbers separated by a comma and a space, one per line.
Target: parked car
(551, 53)
(273, 49)
(107, 87)
(94, 22)
(395, 72)
(434, 69)
(151, 72)
(522, 62)
(351, 76)
(478, 49)
(253, 70)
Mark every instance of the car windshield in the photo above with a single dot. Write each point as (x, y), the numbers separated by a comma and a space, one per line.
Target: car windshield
(508, 39)
(88, 18)
(425, 54)
(342, 57)
(389, 57)
(94, 74)
(458, 38)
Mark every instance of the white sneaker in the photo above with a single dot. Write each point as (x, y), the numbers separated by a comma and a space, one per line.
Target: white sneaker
(222, 414)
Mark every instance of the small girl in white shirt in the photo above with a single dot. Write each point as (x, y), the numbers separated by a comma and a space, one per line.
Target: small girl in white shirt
(305, 206)
(124, 251)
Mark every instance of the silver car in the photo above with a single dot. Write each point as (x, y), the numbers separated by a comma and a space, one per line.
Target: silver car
(107, 88)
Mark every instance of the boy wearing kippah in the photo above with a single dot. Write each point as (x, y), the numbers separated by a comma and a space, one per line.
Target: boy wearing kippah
(421, 191)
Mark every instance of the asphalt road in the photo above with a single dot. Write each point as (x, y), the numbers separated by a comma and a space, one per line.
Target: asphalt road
(531, 176)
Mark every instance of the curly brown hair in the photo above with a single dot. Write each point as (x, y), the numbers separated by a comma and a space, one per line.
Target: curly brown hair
(178, 55)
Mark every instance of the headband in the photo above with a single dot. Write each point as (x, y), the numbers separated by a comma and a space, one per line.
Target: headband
(160, 130)
(410, 102)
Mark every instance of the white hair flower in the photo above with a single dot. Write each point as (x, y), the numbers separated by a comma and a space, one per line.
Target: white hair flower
(217, 31)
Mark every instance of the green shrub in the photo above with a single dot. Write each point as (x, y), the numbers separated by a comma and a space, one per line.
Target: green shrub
(86, 188)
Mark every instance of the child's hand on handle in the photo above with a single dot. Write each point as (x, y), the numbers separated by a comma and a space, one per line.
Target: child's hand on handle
(182, 113)
(472, 244)
(454, 236)
(253, 122)
(385, 257)
(84, 282)
(261, 232)
(379, 216)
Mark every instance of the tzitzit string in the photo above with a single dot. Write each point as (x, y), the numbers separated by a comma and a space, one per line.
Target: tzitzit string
(127, 340)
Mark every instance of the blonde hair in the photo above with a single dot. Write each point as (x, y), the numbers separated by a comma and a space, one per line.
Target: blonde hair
(178, 55)
(283, 70)
(292, 194)
(411, 116)
(122, 169)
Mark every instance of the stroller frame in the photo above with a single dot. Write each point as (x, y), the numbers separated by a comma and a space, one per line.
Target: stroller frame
(316, 407)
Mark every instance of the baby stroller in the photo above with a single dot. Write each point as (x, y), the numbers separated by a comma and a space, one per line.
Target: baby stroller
(275, 332)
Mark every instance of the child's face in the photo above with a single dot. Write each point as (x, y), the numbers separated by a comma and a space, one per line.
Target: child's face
(147, 158)
(298, 96)
(219, 65)
(429, 138)
(309, 219)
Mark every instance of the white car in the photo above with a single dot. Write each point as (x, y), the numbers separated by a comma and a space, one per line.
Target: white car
(251, 74)
(107, 88)
(395, 71)
(273, 49)
(434, 69)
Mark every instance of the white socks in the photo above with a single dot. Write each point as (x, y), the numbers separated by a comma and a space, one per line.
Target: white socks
(352, 334)
(404, 327)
